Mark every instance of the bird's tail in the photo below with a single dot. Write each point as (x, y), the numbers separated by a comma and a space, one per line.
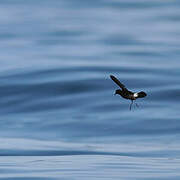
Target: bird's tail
(141, 94)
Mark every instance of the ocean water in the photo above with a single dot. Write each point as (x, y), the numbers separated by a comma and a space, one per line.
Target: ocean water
(58, 116)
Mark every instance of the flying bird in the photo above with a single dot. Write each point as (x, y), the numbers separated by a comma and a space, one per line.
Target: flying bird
(125, 93)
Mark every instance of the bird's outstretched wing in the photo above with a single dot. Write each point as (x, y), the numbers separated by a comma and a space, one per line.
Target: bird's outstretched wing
(141, 94)
(118, 82)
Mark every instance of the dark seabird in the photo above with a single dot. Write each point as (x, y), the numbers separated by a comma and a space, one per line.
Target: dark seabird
(125, 93)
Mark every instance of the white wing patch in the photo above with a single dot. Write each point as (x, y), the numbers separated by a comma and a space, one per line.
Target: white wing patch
(135, 95)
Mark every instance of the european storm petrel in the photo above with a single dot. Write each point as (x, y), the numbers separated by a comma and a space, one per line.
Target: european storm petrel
(125, 93)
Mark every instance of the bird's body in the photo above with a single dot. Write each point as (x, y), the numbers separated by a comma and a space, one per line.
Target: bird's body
(125, 93)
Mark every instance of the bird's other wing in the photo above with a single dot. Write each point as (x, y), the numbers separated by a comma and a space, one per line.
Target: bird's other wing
(118, 82)
(141, 94)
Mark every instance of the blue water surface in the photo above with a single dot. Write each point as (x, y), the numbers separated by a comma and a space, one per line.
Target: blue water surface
(58, 116)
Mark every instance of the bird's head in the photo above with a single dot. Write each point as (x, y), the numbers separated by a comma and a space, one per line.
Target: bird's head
(118, 91)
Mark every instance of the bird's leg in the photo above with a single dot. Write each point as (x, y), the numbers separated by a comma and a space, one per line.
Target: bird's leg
(131, 104)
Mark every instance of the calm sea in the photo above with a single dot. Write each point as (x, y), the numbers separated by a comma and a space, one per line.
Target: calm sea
(59, 119)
